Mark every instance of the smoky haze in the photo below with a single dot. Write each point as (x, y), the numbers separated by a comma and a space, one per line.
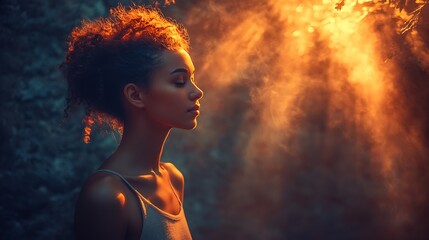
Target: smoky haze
(313, 125)
(314, 122)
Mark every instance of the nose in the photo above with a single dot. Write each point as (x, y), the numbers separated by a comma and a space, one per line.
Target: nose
(196, 94)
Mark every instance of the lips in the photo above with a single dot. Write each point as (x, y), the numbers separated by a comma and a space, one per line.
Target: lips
(194, 108)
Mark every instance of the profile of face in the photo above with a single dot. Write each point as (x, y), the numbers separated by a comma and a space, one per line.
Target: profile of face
(172, 98)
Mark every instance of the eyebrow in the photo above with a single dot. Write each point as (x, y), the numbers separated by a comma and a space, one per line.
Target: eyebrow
(184, 70)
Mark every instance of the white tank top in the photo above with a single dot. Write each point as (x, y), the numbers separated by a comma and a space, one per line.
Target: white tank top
(158, 224)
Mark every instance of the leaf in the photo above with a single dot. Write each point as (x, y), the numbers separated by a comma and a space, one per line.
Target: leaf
(340, 5)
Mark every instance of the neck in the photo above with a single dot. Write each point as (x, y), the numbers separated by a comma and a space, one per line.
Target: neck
(140, 149)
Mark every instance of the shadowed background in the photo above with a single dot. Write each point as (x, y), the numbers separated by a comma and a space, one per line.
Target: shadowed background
(314, 122)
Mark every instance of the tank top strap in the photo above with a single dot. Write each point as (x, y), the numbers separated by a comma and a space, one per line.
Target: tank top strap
(175, 194)
(174, 191)
(143, 207)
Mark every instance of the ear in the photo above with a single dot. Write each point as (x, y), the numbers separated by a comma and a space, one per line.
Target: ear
(134, 95)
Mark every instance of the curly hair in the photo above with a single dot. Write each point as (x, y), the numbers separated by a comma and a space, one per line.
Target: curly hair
(107, 53)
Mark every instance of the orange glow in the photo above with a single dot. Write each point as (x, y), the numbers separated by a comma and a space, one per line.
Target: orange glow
(317, 82)
(88, 121)
(121, 198)
(352, 78)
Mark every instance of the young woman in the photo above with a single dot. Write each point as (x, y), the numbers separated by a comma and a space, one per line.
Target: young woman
(132, 70)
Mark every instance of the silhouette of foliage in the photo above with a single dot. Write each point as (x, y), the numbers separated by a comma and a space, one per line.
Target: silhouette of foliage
(414, 9)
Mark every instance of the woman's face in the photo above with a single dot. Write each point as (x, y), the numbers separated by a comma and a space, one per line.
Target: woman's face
(172, 97)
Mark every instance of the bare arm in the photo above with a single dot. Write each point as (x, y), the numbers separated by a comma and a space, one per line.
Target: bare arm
(100, 211)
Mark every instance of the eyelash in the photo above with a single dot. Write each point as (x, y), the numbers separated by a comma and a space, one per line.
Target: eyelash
(183, 83)
(180, 84)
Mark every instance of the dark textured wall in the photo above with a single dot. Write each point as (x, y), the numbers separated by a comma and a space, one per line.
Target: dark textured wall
(43, 160)
(320, 191)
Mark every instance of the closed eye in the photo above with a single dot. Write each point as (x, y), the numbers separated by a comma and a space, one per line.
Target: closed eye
(180, 84)
(182, 80)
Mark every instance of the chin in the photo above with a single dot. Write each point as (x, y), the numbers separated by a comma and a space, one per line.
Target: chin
(188, 126)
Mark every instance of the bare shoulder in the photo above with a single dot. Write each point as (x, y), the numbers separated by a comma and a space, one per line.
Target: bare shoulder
(100, 209)
(175, 175)
(177, 179)
(102, 189)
